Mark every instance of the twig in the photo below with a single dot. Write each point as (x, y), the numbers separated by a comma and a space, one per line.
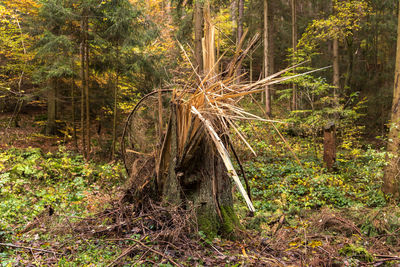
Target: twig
(129, 249)
(75, 217)
(34, 257)
(158, 252)
(30, 248)
(140, 258)
(73, 230)
(386, 256)
(123, 254)
(385, 260)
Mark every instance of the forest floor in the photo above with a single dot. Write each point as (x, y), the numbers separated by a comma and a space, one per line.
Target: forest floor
(56, 209)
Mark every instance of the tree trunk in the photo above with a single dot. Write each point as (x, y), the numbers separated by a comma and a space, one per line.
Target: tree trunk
(87, 87)
(239, 32)
(199, 181)
(336, 77)
(390, 178)
(266, 61)
(294, 46)
(240, 19)
(350, 55)
(73, 104)
(198, 34)
(51, 107)
(114, 133)
(83, 82)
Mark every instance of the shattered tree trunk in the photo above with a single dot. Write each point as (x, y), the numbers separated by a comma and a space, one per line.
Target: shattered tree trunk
(199, 181)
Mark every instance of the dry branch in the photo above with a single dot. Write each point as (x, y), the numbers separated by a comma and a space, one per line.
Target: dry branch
(30, 248)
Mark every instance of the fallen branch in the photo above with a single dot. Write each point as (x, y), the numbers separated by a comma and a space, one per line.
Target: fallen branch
(159, 253)
(138, 242)
(29, 248)
(384, 260)
(123, 254)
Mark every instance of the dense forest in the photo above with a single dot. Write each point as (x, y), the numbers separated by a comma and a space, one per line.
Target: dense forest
(199, 133)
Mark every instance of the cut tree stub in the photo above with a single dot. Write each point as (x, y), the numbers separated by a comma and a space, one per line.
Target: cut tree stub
(330, 146)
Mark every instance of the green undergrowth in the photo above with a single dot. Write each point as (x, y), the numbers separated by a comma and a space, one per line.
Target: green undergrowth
(279, 182)
(34, 184)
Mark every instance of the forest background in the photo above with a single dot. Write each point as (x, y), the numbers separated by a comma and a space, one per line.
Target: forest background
(71, 71)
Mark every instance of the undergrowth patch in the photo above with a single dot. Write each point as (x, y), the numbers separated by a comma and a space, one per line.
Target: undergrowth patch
(36, 188)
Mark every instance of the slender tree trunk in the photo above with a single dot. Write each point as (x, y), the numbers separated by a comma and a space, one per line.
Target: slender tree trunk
(336, 75)
(233, 7)
(73, 104)
(239, 31)
(51, 107)
(198, 34)
(87, 104)
(271, 42)
(266, 61)
(294, 46)
(349, 76)
(390, 178)
(83, 82)
(240, 19)
(114, 135)
(160, 113)
(83, 97)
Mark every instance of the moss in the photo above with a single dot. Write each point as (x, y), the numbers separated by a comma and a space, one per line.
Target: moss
(207, 222)
(231, 223)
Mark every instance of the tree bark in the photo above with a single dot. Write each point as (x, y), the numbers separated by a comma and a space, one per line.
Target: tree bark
(266, 57)
(350, 58)
(73, 104)
(83, 83)
(239, 32)
(240, 19)
(87, 104)
(294, 46)
(336, 75)
(51, 107)
(114, 133)
(198, 34)
(390, 178)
